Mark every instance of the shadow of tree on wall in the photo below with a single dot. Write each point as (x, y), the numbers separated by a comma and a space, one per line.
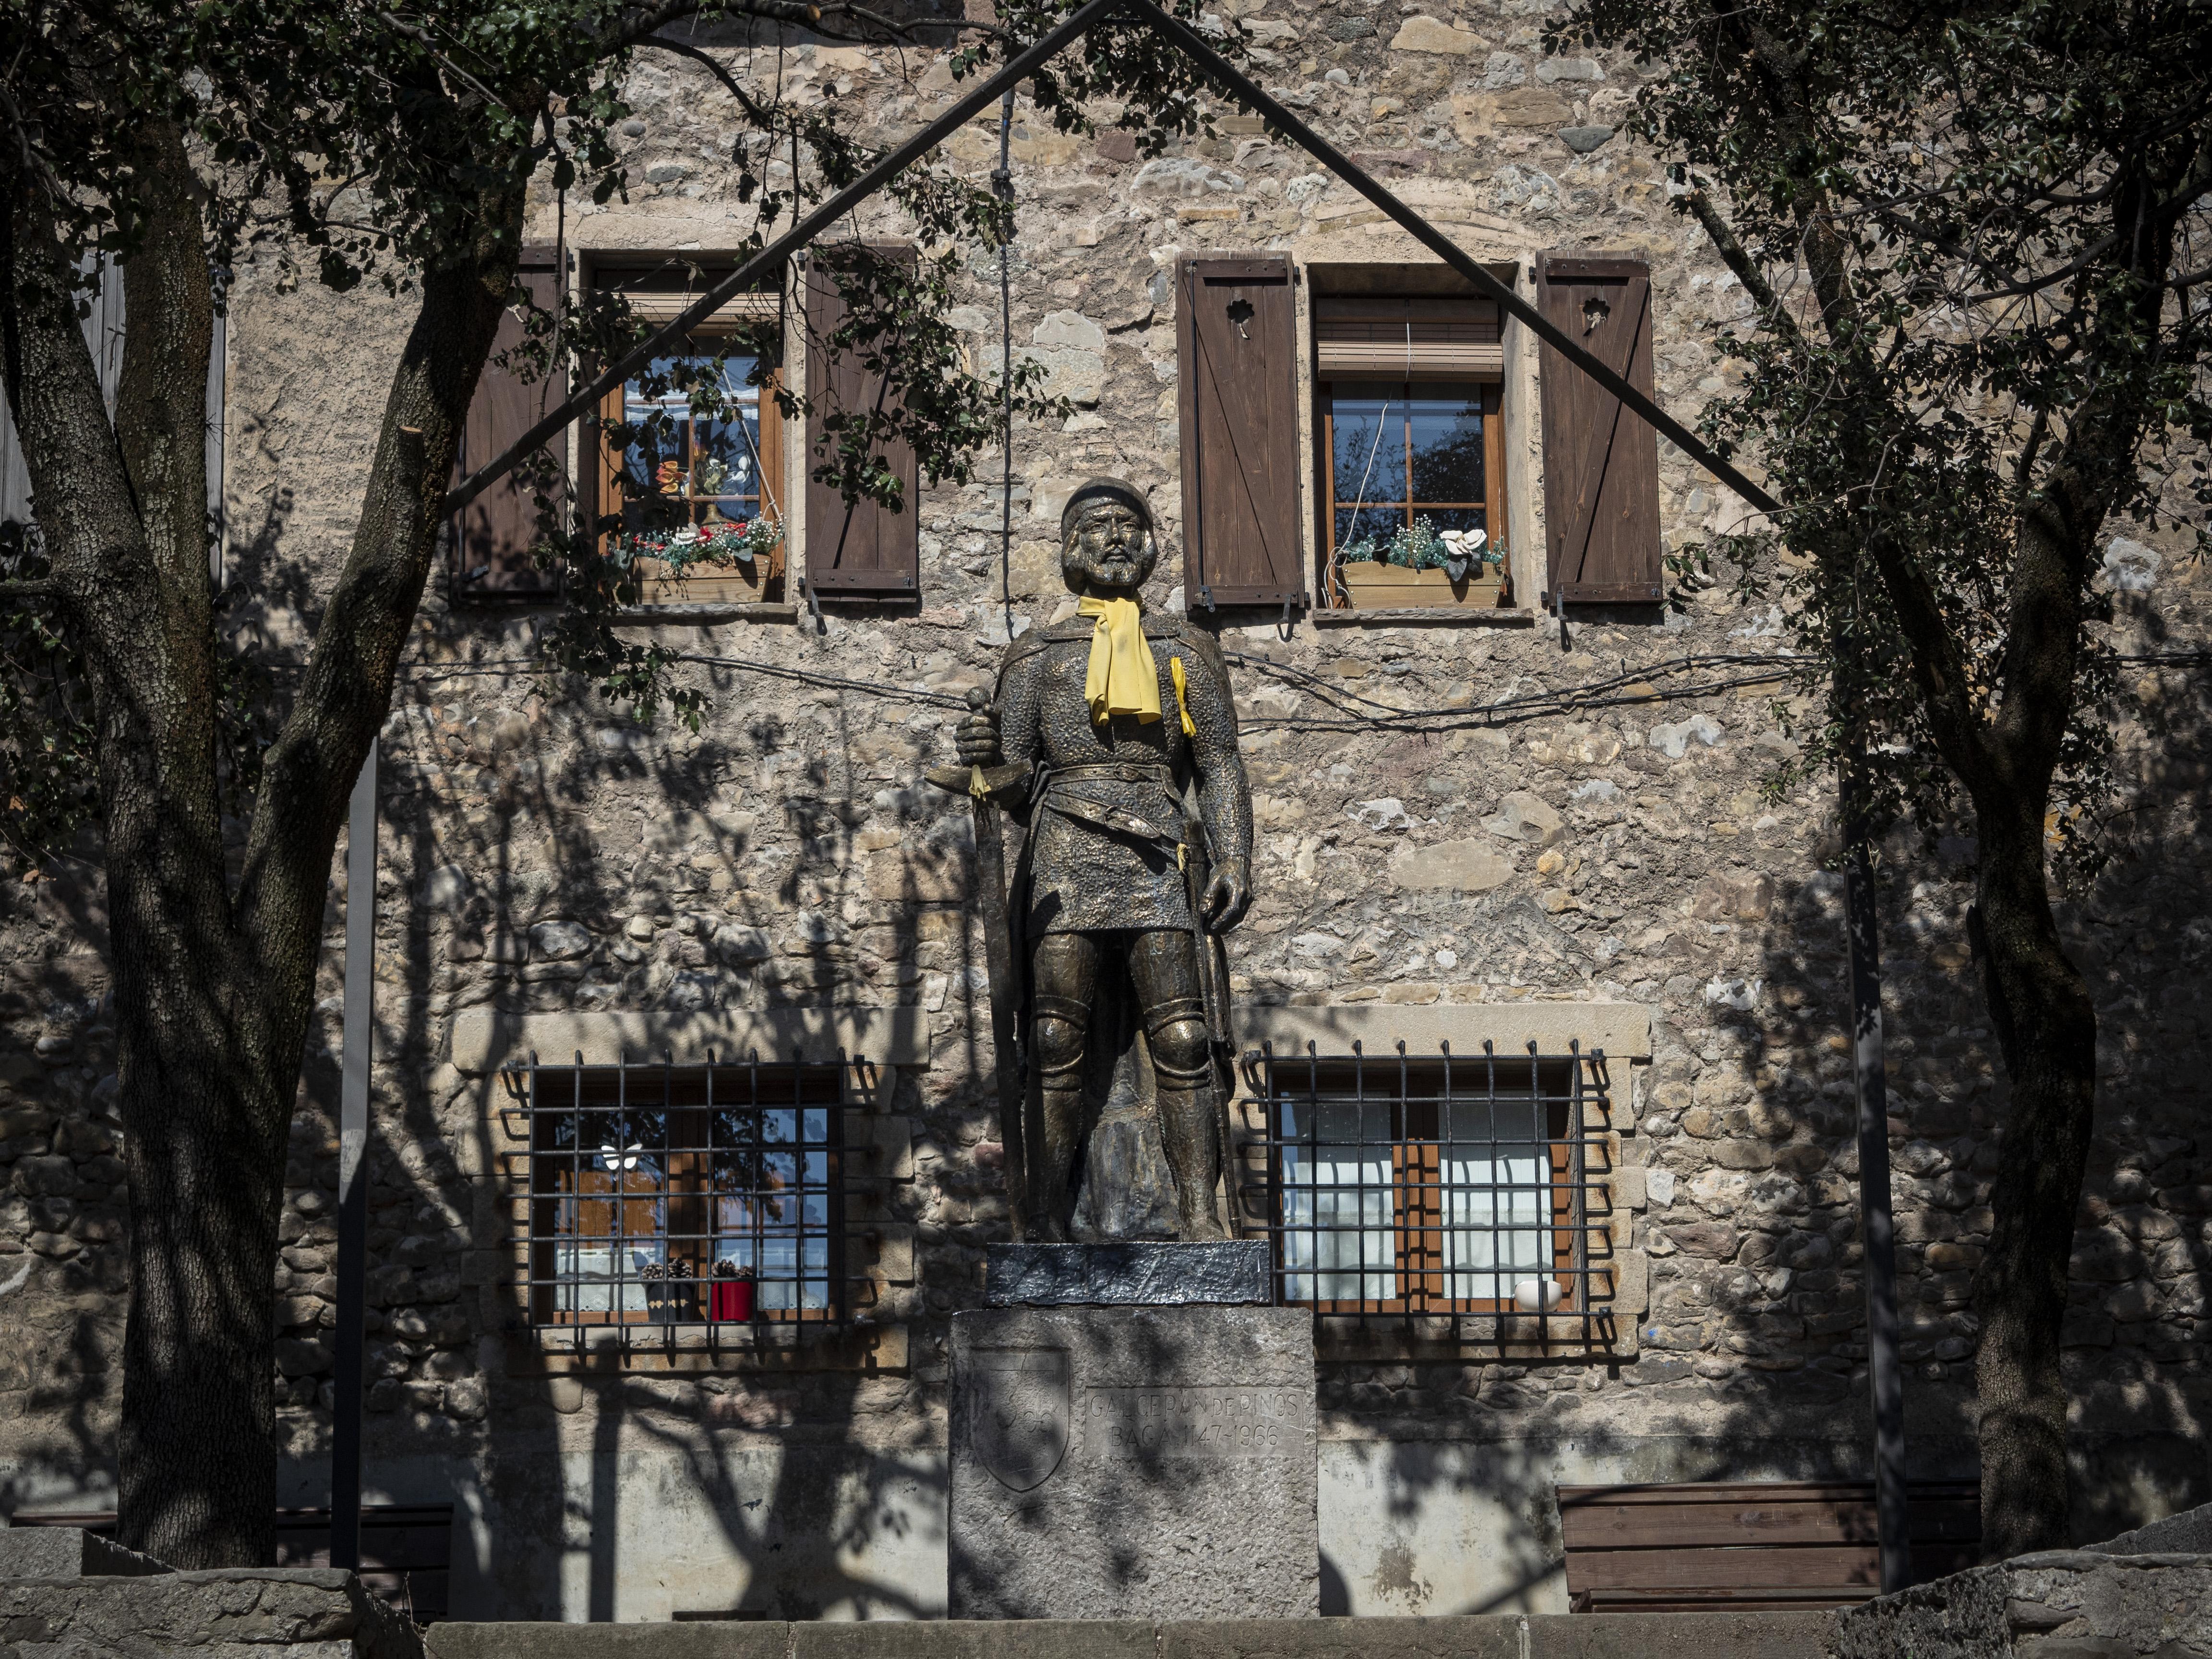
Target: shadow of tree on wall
(503, 815)
(1752, 1356)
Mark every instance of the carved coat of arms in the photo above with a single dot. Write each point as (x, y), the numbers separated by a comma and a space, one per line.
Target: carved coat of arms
(1020, 1413)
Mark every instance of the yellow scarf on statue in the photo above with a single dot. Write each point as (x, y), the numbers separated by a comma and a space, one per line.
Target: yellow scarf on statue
(1121, 678)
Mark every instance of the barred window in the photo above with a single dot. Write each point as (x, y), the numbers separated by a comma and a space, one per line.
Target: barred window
(1433, 1185)
(667, 1195)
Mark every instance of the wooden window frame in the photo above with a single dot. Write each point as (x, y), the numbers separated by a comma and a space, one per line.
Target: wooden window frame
(606, 472)
(1335, 595)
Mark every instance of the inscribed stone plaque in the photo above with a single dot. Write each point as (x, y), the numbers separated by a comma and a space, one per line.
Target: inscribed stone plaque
(1221, 1420)
(1180, 1482)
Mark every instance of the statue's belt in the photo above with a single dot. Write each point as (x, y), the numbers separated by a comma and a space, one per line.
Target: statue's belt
(1106, 815)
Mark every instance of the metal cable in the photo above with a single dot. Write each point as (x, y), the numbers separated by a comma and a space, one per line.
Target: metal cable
(1002, 186)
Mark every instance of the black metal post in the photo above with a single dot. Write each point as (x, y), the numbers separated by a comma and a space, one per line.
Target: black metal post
(771, 258)
(1002, 186)
(353, 1176)
(1877, 1238)
(1239, 87)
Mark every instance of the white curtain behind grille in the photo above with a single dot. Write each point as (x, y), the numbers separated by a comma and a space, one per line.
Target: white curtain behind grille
(1498, 1198)
(1339, 1240)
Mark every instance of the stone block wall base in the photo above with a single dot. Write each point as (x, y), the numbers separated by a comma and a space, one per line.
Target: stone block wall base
(284, 1613)
(2059, 1604)
(68, 1553)
(1145, 1462)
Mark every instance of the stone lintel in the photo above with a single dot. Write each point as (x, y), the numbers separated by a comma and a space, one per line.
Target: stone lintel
(1621, 1029)
(484, 1041)
(1131, 1273)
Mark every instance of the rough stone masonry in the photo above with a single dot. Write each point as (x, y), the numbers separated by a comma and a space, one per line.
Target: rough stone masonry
(1635, 863)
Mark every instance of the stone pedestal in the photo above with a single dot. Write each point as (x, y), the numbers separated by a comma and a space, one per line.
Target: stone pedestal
(1133, 1462)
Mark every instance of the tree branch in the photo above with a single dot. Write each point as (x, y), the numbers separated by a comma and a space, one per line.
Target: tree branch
(756, 112)
(1723, 238)
(423, 36)
(911, 31)
(633, 29)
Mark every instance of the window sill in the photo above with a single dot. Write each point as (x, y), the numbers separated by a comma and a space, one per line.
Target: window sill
(1450, 615)
(1417, 1338)
(774, 1346)
(692, 616)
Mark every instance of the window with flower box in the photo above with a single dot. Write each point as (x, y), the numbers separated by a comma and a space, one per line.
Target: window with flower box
(1408, 393)
(662, 1194)
(689, 474)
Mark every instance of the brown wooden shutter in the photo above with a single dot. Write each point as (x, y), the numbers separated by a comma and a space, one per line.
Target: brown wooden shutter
(1600, 461)
(1237, 347)
(860, 548)
(496, 533)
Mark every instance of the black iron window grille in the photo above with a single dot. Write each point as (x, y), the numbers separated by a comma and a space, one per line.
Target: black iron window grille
(660, 1195)
(1468, 1187)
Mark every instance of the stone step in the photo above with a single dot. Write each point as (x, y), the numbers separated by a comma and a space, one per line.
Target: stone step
(1495, 1636)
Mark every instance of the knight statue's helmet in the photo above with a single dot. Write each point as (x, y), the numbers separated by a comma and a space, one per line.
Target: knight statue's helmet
(1095, 490)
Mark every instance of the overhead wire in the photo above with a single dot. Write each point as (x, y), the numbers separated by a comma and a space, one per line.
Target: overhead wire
(1352, 711)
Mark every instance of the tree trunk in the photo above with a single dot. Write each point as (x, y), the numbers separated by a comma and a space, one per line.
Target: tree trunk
(2046, 1027)
(212, 1041)
(213, 994)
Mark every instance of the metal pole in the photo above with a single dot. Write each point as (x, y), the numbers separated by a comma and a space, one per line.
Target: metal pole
(1239, 87)
(771, 258)
(353, 1178)
(1245, 91)
(1862, 917)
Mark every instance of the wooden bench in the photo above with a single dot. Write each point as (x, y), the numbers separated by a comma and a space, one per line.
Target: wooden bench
(406, 1549)
(1751, 1544)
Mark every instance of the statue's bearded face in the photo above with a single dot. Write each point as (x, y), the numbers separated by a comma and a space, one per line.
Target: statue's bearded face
(1108, 549)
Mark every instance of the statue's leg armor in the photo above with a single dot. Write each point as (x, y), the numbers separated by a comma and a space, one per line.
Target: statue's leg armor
(1163, 965)
(1064, 981)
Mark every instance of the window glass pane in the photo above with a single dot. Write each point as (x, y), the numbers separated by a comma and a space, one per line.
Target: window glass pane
(1338, 1239)
(738, 1179)
(1369, 422)
(1455, 518)
(1377, 523)
(1445, 422)
(599, 1278)
(693, 456)
(1496, 1170)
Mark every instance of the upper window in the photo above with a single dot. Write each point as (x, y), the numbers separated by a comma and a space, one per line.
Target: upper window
(665, 1195)
(690, 473)
(1413, 509)
(1434, 1186)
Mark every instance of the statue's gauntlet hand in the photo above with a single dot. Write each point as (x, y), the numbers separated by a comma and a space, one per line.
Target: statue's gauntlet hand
(976, 740)
(1228, 895)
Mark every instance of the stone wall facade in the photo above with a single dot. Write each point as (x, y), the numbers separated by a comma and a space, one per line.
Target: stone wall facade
(1603, 865)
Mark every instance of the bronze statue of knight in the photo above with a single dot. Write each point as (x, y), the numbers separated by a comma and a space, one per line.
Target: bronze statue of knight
(1117, 711)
